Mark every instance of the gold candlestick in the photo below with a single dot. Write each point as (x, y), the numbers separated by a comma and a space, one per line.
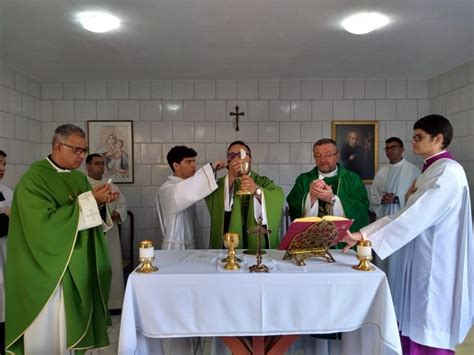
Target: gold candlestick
(147, 255)
(364, 255)
(231, 240)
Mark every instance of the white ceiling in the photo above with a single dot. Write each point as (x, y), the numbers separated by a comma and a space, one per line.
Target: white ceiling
(235, 39)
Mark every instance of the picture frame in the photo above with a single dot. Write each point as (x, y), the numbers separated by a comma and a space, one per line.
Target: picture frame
(357, 142)
(114, 141)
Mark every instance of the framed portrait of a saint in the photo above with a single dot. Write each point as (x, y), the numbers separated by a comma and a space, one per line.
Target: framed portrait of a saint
(114, 141)
(357, 142)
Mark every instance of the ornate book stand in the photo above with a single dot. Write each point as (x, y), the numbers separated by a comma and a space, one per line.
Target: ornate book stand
(314, 241)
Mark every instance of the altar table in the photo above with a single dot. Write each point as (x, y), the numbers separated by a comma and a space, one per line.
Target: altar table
(193, 296)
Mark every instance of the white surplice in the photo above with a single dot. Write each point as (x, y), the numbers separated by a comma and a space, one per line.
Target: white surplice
(117, 287)
(8, 194)
(177, 198)
(436, 297)
(397, 179)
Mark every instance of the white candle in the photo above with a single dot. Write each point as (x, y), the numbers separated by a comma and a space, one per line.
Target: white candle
(147, 252)
(364, 251)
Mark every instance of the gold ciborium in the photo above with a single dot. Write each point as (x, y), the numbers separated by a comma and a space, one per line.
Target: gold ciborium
(364, 255)
(146, 256)
(231, 240)
(244, 170)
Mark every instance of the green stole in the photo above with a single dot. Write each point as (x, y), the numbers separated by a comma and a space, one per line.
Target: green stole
(242, 214)
(45, 250)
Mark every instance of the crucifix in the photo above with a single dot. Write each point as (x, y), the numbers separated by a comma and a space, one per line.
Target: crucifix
(237, 114)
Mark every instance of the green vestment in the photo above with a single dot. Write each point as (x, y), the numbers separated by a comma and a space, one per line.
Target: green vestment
(46, 250)
(242, 214)
(347, 185)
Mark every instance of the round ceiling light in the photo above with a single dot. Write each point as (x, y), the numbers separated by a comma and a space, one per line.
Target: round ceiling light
(98, 22)
(364, 22)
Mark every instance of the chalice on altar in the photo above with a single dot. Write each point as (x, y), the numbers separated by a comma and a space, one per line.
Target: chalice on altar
(244, 170)
(364, 255)
(146, 256)
(231, 240)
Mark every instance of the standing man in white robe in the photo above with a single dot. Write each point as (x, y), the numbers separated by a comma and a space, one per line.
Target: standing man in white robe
(95, 166)
(436, 305)
(176, 198)
(387, 196)
(6, 196)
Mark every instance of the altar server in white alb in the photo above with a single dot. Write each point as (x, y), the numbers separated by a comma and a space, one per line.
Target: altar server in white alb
(435, 304)
(387, 196)
(176, 198)
(95, 166)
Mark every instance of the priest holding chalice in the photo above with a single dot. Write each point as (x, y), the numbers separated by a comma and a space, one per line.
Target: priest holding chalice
(241, 198)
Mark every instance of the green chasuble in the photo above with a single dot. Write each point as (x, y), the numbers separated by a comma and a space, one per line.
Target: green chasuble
(347, 185)
(242, 214)
(46, 250)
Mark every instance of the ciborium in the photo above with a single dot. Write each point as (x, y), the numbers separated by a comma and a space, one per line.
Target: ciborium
(364, 255)
(231, 241)
(146, 256)
(244, 170)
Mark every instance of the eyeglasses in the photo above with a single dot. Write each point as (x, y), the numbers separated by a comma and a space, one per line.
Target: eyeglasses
(393, 147)
(325, 156)
(231, 156)
(419, 137)
(76, 150)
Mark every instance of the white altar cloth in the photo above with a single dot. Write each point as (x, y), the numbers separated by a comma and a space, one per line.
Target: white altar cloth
(190, 297)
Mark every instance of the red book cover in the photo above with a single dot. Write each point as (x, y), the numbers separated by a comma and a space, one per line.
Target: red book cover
(301, 224)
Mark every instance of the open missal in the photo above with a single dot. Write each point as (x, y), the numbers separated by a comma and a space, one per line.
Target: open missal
(299, 225)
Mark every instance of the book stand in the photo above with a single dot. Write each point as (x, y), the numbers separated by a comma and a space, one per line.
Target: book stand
(314, 241)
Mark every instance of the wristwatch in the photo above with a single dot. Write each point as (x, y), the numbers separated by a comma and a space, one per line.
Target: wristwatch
(333, 200)
(258, 192)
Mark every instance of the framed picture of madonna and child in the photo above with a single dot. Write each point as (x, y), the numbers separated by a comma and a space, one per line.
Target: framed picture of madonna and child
(114, 141)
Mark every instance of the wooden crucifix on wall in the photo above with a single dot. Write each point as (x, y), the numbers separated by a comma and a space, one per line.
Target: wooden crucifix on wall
(237, 114)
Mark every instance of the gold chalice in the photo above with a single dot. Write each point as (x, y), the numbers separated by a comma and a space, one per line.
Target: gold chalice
(231, 241)
(244, 170)
(364, 255)
(147, 255)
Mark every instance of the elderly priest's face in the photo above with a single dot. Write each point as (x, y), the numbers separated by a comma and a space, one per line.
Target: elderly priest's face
(71, 152)
(326, 157)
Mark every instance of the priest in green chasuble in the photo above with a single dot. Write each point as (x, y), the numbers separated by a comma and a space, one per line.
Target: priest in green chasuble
(231, 212)
(329, 189)
(58, 267)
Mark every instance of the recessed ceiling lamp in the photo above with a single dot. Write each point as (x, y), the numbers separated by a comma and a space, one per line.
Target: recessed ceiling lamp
(98, 22)
(364, 22)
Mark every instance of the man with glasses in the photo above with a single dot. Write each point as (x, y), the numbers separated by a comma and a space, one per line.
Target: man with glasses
(329, 189)
(95, 167)
(387, 196)
(58, 266)
(231, 212)
(434, 299)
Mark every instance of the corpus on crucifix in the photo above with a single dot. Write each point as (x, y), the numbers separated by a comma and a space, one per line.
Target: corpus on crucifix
(237, 114)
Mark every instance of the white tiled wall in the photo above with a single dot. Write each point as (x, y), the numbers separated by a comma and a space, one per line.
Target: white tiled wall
(20, 121)
(452, 94)
(282, 120)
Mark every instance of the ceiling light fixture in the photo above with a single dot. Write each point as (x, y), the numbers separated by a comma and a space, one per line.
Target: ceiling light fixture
(98, 22)
(364, 22)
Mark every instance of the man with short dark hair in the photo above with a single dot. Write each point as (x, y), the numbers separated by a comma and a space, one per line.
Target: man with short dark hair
(5, 205)
(95, 167)
(329, 189)
(434, 300)
(58, 266)
(177, 197)
(387, 196)
(235, 213)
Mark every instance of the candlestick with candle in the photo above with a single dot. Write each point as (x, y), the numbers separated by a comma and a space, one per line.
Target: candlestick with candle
(146, 256)
(364, 255)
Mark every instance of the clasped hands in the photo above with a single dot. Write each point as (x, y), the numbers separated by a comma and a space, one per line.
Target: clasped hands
(104, 194)
(319, 190)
